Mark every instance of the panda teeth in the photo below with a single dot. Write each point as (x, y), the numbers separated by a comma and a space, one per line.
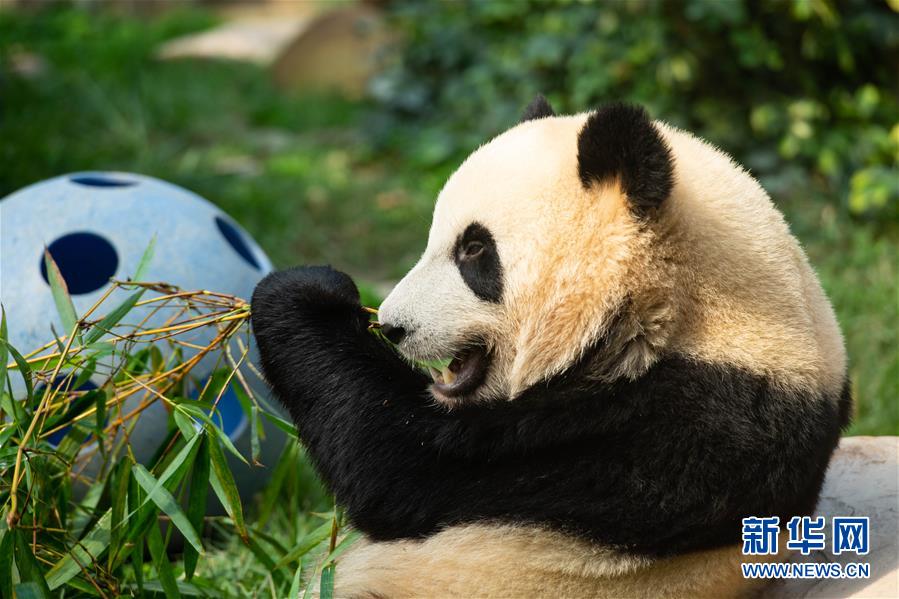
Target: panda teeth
(448, 375)
(435, 374)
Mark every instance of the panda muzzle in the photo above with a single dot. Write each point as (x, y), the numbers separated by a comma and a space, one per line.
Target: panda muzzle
(465, 373)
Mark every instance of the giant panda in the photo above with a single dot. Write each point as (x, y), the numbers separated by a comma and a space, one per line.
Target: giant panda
(641, 357)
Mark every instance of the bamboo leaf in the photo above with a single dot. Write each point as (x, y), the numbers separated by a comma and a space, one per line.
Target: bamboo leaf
(24, 370)
(87, 371)
(113, 318)
(242, 397)
(90, 548)
(307, 544)
(180, 458)
(251, 409)
(326, 588)
(185, 588)
(284, 467)
(60, 291)
(195, 412)
(342, 546)
(4, 353)
(224, 486)
(229, 445)
(185, 424)
(6, 559)
(167, 503)
(95, 504)
(294, 592)
(6, 434)
(119, 514)
(259, 552)
(193, 408)
(29, 570)
(30, 590)
(161, 562)
(272, 541)
(71, 443)
(281, 423)
(13, 407)
(145, 260)
(8, 454)
(137, 553)
(58, 340)
(255, 449)
(196, 500)
(80, 585)
(272, 414)
(100, 420)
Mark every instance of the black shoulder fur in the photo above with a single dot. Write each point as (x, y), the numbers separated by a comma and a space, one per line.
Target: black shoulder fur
(664, 464)
(620, 141)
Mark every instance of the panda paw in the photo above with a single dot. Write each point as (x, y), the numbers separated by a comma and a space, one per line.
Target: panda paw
(312, 290)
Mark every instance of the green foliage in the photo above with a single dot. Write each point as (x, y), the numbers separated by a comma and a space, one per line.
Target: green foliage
(285, 166)
(811, 84)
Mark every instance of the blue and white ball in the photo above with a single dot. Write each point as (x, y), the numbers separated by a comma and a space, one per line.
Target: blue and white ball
(96, 226)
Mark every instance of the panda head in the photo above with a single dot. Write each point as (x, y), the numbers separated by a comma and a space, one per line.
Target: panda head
(606, 241)
(533, 252)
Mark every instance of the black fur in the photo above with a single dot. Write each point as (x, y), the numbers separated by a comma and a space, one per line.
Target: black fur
(667, 463)
(538, 108)
(846, 404)
(483, 275)
(620, 141)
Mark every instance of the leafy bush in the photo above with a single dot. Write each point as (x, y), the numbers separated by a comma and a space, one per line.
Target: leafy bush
(84, 514)
(807, 85)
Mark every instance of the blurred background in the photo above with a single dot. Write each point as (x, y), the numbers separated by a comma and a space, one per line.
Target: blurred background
(327, 128)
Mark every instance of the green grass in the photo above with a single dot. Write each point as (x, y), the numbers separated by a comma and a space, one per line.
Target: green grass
(290, 169)
(858, 269)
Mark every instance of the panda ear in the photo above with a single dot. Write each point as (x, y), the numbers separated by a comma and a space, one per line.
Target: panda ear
(619, 141)
(538, 108)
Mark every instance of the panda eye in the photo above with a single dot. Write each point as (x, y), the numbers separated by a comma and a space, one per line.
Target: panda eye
(471, 251)
(477, 259)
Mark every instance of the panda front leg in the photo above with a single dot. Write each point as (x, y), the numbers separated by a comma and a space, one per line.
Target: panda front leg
(361, 410)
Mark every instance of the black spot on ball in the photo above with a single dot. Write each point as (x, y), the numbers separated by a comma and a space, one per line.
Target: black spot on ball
(236, 240)
(86, 261)
(101, 181)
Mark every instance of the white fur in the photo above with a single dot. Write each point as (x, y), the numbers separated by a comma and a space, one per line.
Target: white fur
(526, 561)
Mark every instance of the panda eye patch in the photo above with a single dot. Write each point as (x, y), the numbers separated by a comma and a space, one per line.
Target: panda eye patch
(478, 262)
(471, 251)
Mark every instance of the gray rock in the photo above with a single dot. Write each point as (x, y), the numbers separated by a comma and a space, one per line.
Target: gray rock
(863, 480)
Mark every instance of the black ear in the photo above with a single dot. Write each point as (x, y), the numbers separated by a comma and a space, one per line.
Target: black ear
(537, 109)
(619, 140)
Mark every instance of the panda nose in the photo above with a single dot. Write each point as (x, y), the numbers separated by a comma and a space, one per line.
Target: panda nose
(393, 333)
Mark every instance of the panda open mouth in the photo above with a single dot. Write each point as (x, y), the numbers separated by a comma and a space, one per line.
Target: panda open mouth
(465, 373)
